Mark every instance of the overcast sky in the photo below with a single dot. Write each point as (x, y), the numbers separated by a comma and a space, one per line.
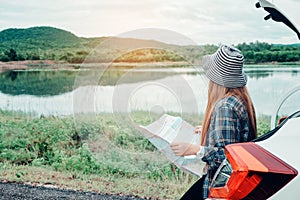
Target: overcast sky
(202, 21)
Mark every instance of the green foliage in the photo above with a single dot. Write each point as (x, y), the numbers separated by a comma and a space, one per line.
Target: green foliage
(43, 36)
(39, 43)
(100, 146)
(149, 55)
(82, 160)
(263, 124)
(58, 143)
(11, 55)
(104, 149)
(48, 43)
(92, 147)
(261, 52)
(25, 140)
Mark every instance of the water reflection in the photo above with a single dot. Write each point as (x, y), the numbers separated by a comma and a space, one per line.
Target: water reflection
(52, 92)
(259, 74)
(55, 82)
(37, 83)
(294, 72)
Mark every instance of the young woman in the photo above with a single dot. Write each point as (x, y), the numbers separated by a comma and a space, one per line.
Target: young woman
(229, 117)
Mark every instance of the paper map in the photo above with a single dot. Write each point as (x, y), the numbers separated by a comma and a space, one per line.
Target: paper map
(168, 129)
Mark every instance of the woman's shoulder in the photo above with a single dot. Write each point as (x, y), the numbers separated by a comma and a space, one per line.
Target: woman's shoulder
(231, 102)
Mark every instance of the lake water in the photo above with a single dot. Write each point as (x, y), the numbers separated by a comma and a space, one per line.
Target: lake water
(182, 90)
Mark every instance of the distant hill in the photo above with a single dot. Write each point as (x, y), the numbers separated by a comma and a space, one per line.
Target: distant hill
(38, 33)
(49, 43)
(37, 37)
(45, 36)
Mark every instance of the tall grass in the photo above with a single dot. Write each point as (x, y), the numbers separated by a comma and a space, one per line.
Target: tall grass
(107, 146)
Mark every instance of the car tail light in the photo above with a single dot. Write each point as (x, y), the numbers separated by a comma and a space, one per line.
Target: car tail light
(251, 173)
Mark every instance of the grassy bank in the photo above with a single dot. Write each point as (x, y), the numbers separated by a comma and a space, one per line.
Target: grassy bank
(102, 153)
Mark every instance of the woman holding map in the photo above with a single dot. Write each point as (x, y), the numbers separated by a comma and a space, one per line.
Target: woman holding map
(229, 117)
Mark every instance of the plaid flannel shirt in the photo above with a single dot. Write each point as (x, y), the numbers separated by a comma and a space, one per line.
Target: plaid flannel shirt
(229, 124)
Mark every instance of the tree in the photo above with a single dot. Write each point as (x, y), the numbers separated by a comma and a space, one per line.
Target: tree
(12, 55)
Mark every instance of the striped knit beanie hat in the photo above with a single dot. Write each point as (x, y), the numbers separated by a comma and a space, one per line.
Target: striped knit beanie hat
(225, 67)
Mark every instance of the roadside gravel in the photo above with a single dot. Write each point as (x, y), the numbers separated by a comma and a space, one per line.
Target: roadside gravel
(16, 191)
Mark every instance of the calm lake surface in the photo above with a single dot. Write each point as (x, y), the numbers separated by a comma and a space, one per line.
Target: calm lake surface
(182, 90)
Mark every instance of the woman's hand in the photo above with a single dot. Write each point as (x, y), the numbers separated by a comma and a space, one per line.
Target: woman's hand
(184, 149)
(198, 129)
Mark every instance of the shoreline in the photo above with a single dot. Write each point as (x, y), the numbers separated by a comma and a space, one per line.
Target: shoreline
(51, 64)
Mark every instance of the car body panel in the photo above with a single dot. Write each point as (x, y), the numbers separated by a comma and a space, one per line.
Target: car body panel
(285, 144)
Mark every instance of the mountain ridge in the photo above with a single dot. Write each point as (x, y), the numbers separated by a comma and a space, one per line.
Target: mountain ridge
(41, 32)
(50, 43)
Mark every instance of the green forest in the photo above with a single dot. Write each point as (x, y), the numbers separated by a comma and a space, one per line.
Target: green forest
(48, 43)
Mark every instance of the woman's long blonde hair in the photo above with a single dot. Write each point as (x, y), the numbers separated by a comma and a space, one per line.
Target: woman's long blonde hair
(217, 92)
